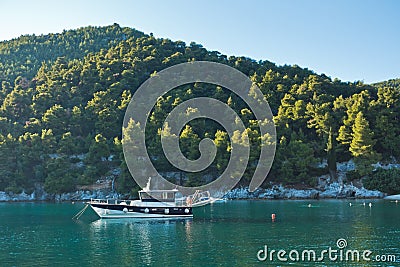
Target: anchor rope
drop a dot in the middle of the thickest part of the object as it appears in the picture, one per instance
(79, 214)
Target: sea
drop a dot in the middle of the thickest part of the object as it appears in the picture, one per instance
(230, 233)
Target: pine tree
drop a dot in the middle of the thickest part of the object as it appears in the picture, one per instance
(189, 142)
(361, 145)
(222, 143)
(362, 142)
(331, 155)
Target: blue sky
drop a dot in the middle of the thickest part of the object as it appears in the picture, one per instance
(346, 39)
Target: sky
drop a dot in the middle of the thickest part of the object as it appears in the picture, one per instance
(346, 39)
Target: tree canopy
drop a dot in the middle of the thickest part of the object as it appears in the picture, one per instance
(63, 98)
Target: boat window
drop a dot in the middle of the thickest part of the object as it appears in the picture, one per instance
(145, 197)
(155, 196)
(168, 195)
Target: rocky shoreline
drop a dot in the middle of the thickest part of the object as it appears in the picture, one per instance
(80, 195)
(330, 191)
(325, 189)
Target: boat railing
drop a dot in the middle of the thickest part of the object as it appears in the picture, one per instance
(197, 197)
(111, 201)
(181, 201)
(124, 202)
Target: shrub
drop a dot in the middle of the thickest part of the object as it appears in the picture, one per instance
(352, 175)
(387, 181)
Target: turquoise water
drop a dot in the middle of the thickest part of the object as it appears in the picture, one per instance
(222, 234)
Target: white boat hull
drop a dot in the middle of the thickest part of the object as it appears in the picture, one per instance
(137, 209)
(117, 214)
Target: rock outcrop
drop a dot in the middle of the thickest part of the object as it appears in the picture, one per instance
(333, 190)
(79, 195)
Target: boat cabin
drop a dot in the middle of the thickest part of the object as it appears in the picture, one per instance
(158, 195)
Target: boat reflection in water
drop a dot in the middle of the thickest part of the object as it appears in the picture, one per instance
(141, 240)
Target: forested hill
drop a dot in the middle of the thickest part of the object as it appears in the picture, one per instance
(393, 83)
(64, 95)
(26, 54)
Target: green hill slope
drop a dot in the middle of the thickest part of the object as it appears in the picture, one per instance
(64, 96)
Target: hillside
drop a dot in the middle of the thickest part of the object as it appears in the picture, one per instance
(64, 95)
(393, 83)
(25, 55)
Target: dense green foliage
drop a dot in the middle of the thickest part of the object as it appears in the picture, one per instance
(387, 181)
(25, 55)
(63, 98)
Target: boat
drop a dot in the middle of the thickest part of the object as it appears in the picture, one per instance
(152, 204)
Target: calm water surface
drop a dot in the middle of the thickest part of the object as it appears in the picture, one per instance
(222, 234)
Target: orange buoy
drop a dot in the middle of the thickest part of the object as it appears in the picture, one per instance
(273, 216)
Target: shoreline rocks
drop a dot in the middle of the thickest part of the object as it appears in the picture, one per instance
(79, 195)
(333, 190)
(329, 191)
